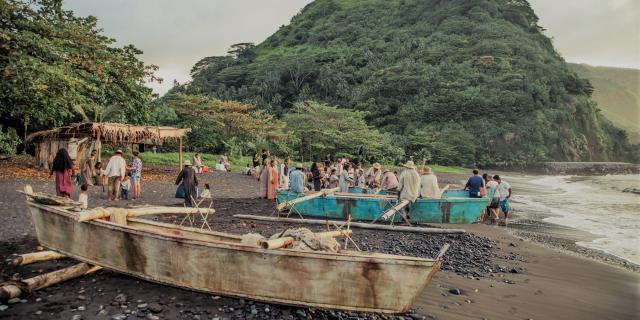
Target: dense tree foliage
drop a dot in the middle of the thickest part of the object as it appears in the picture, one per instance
(457, 81)
(317, 129)
(57, 68)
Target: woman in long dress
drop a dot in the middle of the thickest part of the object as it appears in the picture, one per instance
(273, 180)
(63, 168)
(263, 178)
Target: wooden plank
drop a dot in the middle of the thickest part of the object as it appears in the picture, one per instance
(29, 258)
(288, 204)
(353, 224)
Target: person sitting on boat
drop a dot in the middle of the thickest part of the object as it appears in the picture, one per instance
(475, 185)
(345, 179)
(389, 181)
(374, 176)
(429, 188)
(189, 183)
(409, 185)
(504, 189)
(296, 179)
(494, 205)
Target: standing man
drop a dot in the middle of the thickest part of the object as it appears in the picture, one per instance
(88, 171)
(115, 172)
(475, 185)
(409, 185)
(296, 179)
(504, 189)
(189, 183)
(345, 180)
(374, 176)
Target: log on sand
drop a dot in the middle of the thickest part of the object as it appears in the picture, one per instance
(285, 241)
(14, 290)
(288, 204)
(100, 213)
(352, 224)
(29, 258)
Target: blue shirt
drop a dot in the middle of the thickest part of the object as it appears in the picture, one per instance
(474, 184)
(296, 181)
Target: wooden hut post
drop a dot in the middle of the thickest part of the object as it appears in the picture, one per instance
(98, 147)
(180, 155)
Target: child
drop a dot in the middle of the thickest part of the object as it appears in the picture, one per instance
(100, 175)
(247, 170)
(361, 179)
(83, 197)
(206, 193)
(125, 185)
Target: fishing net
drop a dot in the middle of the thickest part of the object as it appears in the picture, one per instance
(306, 240)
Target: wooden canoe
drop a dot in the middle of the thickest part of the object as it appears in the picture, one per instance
(218, 263)
(455, 206)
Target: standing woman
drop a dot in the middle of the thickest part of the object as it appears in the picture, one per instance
(344, 181)
(63, 168)
(273, 180)
(197, 163)
(316, 177)
(263, 177)
(136, 174)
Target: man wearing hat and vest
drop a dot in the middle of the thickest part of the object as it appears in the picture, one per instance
(115, 171)
(409, 184)
(189, 183)
(296, 179)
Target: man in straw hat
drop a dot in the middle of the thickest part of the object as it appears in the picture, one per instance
(374, 176)
(189, 183)
(115, 172)
(429, 188)
(296, 179)
(409, 187)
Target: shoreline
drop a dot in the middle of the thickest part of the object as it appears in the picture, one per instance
(499, 273)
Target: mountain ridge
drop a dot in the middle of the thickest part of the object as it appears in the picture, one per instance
(479, 70)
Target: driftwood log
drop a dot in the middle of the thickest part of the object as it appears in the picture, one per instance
(14, 290)
(285, 241)
(396, 209)
(288, 204)
(352, 224)
(29, 258)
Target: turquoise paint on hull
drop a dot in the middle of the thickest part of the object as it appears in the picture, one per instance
(454, 207)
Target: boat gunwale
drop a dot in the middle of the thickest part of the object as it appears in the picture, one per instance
(358, 197)
(351, 256)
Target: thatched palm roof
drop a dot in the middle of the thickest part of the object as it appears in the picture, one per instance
(111, 132)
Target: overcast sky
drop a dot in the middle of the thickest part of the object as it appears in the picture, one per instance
(176, 34)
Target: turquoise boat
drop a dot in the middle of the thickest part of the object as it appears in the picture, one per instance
(455, 206)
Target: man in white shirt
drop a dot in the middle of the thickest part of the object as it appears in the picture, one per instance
(115, 171)
(504, 189)
(429, 188)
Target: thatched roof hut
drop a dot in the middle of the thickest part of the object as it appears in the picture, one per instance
(80, 138)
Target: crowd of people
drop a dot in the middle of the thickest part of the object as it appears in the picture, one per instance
(121, 178)
(499, 191)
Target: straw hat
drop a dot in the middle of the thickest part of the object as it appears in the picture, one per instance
(376, 166)
(187, 162)
(299, 166)
(427, 170)
(410, 165)
(119, 151)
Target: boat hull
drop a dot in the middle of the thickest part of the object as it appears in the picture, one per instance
(454, 207)
(193, 259)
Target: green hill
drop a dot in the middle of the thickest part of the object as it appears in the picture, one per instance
(617, 91)
(476, 76)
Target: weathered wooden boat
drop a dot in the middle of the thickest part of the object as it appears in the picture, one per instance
(455, 206)
(219, 263)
